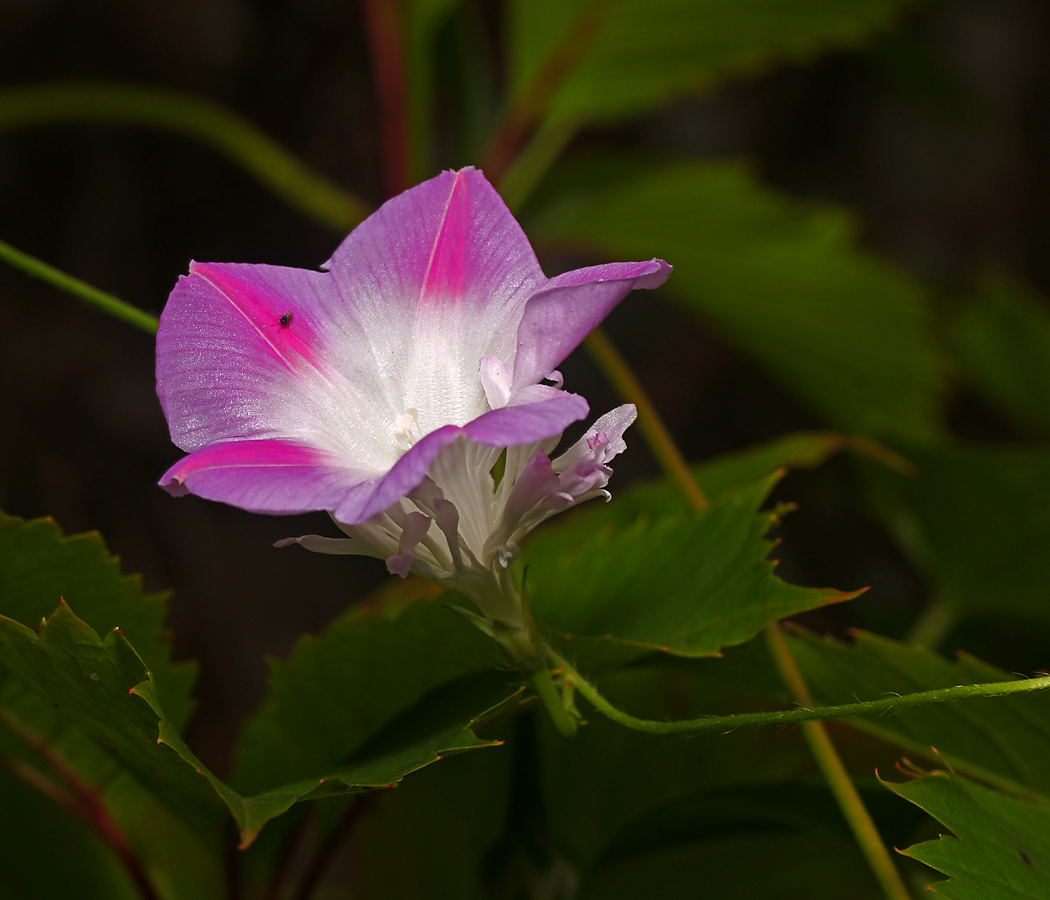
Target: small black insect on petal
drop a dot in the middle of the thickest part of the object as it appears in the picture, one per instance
(286, 320)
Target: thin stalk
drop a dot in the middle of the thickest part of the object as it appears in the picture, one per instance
(787, 716)
(82, 800)
(386, 44)
(532, 102)
(546, 690)
(834, 771)
(534, 160)
(816, 735)
(290, 848)
(224, 131)
(934, 625)
(99, 299)
(326, 851)
(232, 861)
(649, 422)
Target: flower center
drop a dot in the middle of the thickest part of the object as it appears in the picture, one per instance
(406, 429)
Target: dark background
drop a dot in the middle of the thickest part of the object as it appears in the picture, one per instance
(937, 136)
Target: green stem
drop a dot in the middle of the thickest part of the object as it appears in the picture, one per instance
(534, 160)
(788, 716)
(222, 130)
(551, 699)
(834, 771)
(934, 625)
(532, 102)
(652, 427)
(100, 299)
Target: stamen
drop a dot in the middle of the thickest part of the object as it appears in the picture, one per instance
(406, 428)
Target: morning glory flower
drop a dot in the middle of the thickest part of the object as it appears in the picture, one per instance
(410, 389)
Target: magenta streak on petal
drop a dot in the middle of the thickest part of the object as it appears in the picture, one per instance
(287, 342)
(446, 269)
(269, 476)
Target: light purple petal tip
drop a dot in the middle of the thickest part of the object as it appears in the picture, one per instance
(560, 315)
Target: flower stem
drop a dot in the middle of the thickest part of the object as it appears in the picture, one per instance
(787, 716)
(834, 771)
(933, 625)
(100, 299)
(388, 67)
(820, 745)
(655, 432)
(331, 843)
(221, 129)
(546, 690)
(533, 161)
(532, 102)
(80, 799)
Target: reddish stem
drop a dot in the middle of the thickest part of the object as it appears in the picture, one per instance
(385, 41)
(533, 101)
(327, 850)
(82, 800)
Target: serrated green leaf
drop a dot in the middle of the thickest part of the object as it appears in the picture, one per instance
(374, 696)
(661, 497)
(99, 686)
(92, 683)
(1000, 847)
(689, 584)
(1001, 339)
(630, 55)
(369, 668)
(39, 566)
(976, 519)
(782, 281)
(543, 810)
(1001, 740)
(68, 689)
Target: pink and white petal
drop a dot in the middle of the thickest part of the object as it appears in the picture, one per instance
(535, 393)
(529, 422)
(225, 363)
(252, 351)
(495, 381)
(268, 476)
(406, 475)
(448, 243)
(438, 278)
(400, 564)
(561, 314)
(449, 240)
